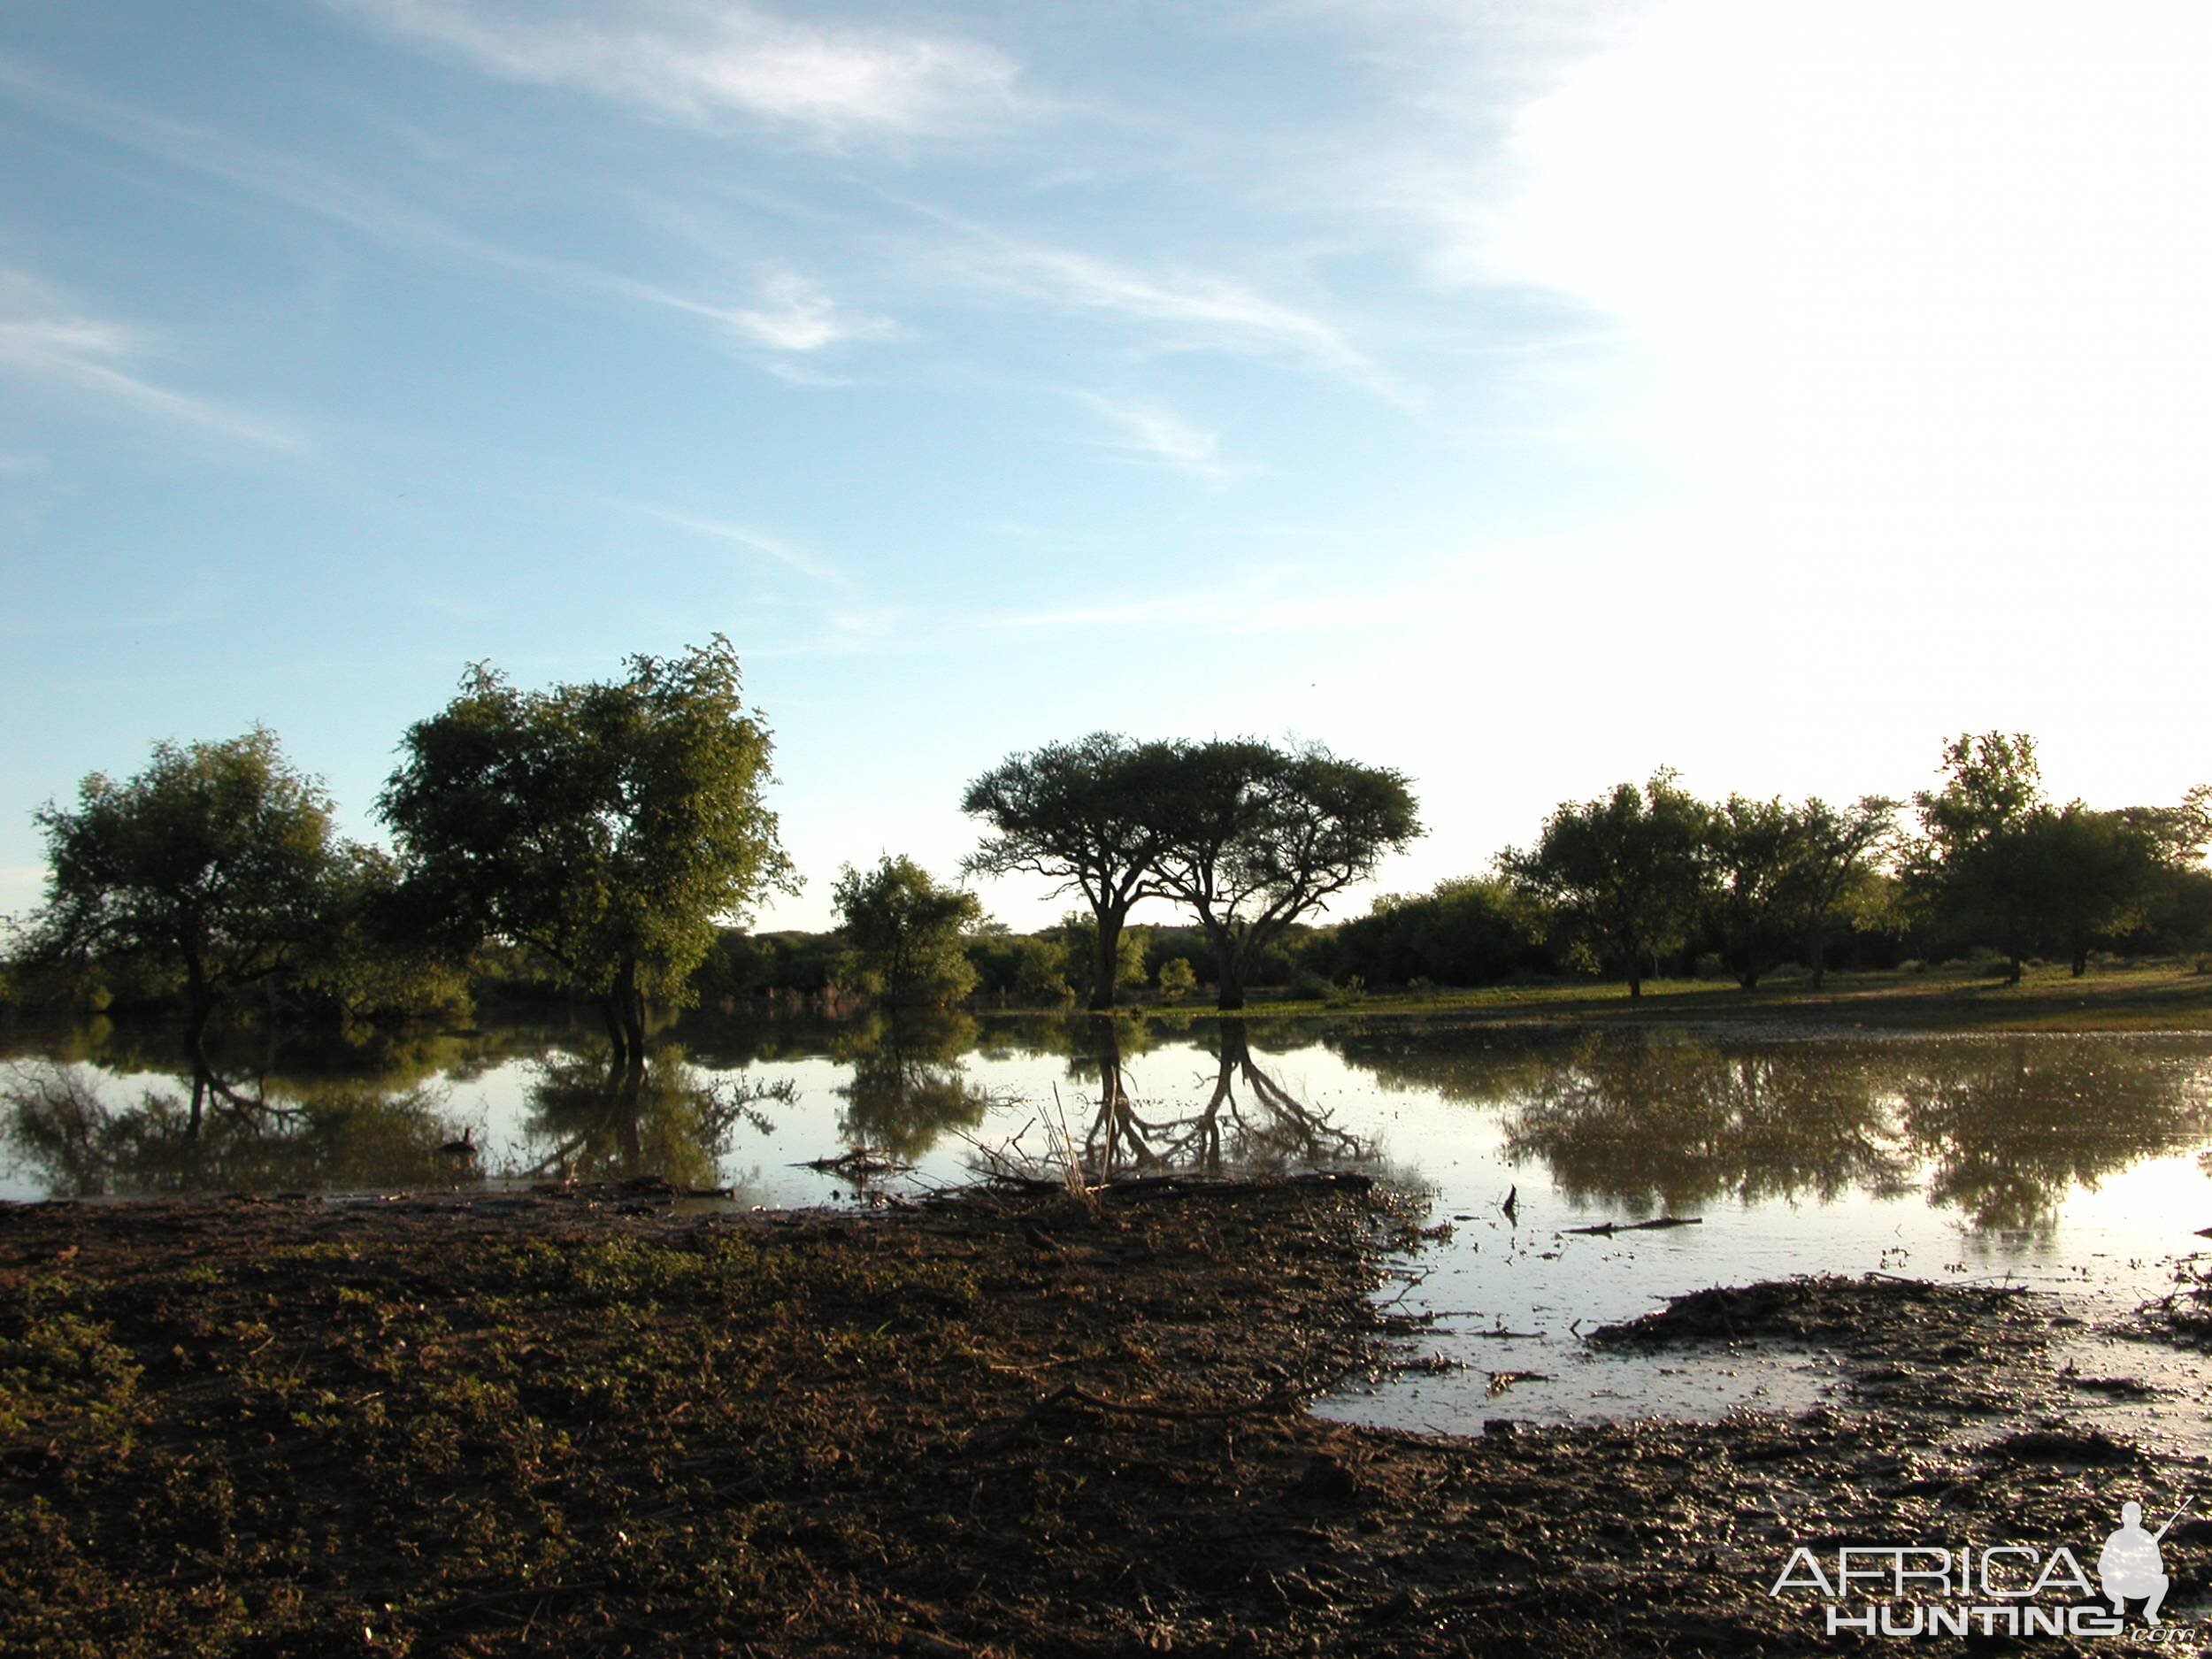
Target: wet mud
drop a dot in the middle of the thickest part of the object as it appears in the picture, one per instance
(602, 1422)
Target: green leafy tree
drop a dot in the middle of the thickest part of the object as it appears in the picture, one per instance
(1627, 872)
(907, 932)
(1754, 848)
(216, 865)
(2093, 874)
(1251, 838)
(1836, 876)
(1982, 859)
(1039, 970)
(1178, 978)
(1083, 815)
(1786, 876)
(1470, 930)
(608, 827)
(1077, 936)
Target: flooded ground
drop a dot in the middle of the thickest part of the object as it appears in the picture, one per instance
(2073, 1166)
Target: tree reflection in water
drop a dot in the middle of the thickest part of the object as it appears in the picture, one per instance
(1658, 1126)
(1251, 1121)
(332, 1138)
(591, 1119)
(908, 1088)
(2000, 1129)
(2009, 1126)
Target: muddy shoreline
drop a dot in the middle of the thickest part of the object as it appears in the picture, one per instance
(597, 1423)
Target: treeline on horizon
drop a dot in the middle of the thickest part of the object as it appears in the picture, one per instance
(594, 841)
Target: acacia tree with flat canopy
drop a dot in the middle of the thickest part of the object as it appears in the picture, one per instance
(1080, 814)
(1627, 870)
(608, 827)
(1252, 837)
(217, 864)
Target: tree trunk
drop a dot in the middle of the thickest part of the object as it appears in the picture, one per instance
(199, 1009)
(2081, 955)
(1817, 949)
(1228, 968)
(1232, 992)
(618, 1037)
(1635, 981)
(1107, 967)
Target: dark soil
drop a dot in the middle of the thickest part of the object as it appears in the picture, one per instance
(596, 1423)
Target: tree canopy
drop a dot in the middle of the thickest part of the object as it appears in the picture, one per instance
(1626, 871)
(1083, 815)
(216, 864)
(908, 932)
(608, 826)
(1253, 837)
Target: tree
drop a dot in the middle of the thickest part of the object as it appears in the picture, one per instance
(2091, 874)
(216, 864)
(608, 826)
(908, 932)
(1077, 936)
(1835, 875)
(1784, 876)
(1754, 848)
(1470, 930)
(1626, 871)
(1082, 815)
(1252, 838)
(1977, 864)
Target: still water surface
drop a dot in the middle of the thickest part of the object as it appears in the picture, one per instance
(2075, 1164)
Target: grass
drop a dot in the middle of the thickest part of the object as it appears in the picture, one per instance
(2162, 996)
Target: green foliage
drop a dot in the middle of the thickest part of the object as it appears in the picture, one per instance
(1176, 979)
(1077, 939)
(907, 931)
(1252, 837)
(608, 826)
(1086, 816)
(1625, 873)
(1468, 930)
(216, 864)
(1040, 969)
(1786, 877)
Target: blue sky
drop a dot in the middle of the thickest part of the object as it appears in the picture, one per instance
(1522, 395)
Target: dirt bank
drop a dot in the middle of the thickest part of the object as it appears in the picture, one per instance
(592, 1425)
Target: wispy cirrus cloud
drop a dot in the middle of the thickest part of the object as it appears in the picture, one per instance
(791, 312)
(1188, 309)
(1152, 435)
(783, 552)
(45, 335)
(795, 314)
(708, 64)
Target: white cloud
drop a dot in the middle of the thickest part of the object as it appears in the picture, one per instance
(742, 536)
(45, 336)
(1159, 437)
(796, 315)
(703, 62)
(1198, 310)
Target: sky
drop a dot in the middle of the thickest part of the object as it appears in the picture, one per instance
(1522, 395)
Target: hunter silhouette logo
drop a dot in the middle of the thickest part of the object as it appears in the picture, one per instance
(2130, 1565)
(1990, 1589)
